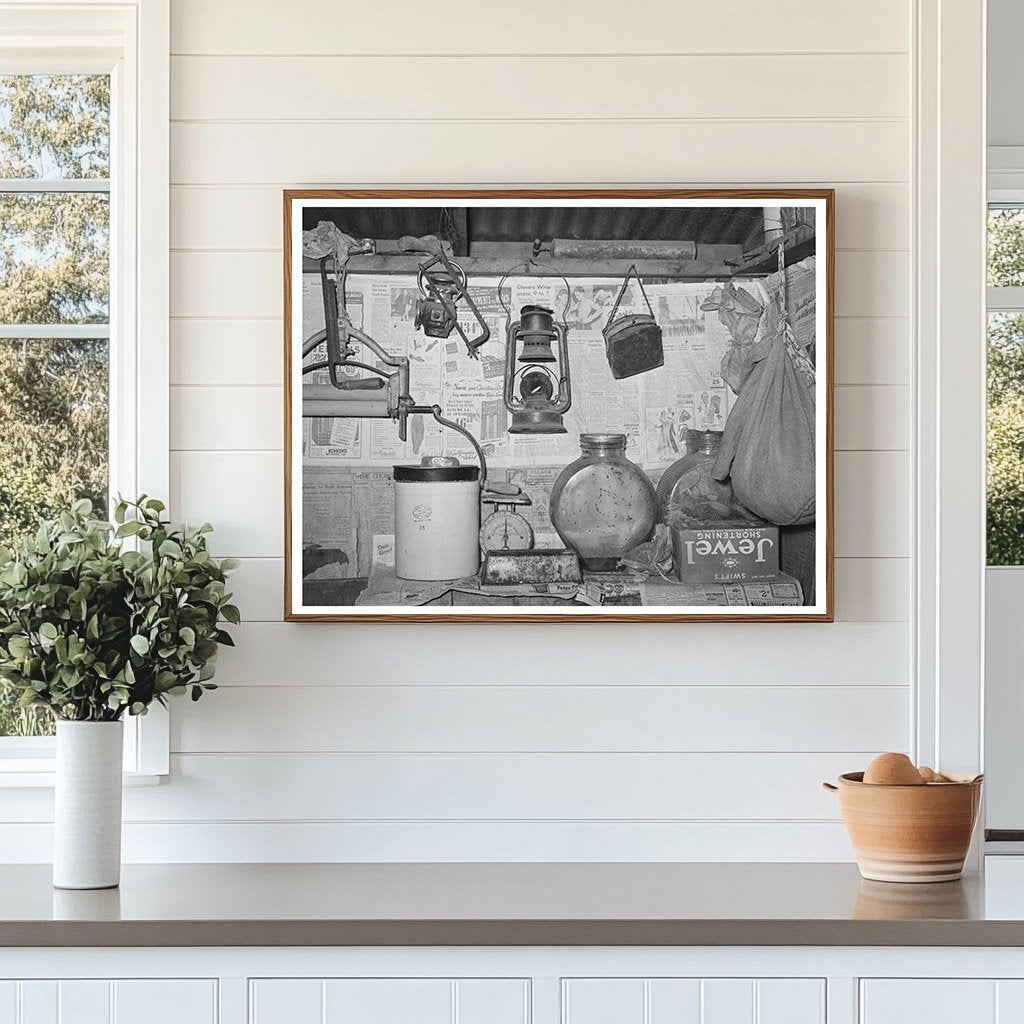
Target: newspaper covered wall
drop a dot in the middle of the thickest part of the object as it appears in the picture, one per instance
(347, 488)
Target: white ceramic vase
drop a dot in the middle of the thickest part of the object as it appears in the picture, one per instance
(87, 806)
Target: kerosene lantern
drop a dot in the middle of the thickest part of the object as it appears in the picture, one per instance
(537, 388)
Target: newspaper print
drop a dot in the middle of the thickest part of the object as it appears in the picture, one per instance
(348, 497)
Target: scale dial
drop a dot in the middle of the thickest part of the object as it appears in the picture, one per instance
(505, 530)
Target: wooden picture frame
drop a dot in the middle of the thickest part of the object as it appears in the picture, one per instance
(812, 248)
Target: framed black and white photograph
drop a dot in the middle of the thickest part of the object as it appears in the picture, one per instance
(558, 405)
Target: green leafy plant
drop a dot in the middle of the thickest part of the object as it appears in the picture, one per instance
(92, 629)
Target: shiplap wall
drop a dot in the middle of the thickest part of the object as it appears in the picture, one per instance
(609, 742)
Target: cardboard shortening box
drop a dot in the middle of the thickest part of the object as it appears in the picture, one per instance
(732, 551)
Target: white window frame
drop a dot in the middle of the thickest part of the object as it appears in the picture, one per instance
(1005, 807)
(949, 440)
(130, 41)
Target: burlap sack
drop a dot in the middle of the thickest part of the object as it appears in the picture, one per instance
(767, 450)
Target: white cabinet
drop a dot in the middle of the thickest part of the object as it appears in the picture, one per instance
(388, 1001)
(942, 1001)
(693, 1001)
(95, 1001)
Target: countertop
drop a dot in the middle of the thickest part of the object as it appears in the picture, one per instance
(559, 904)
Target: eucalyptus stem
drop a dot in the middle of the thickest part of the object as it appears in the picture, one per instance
(100, 619)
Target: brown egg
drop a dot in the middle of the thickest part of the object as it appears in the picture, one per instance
(893, 770)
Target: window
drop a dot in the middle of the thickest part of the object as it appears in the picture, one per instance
(1005, 499)
(84, 125)
(54, 308)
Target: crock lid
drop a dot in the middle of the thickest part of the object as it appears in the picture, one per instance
(436, 473)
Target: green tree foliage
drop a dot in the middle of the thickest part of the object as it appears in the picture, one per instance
(53, 269)
(1005, 484)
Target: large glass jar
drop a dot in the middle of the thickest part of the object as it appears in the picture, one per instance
(602, 505)
(687, 487)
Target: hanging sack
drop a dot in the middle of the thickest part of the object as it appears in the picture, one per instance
(768, 450)
(632, 342)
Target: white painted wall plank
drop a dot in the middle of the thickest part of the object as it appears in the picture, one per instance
(158, 842)
(465, 787)
(872, 418)
(9, 1002)
(543, 718)
(868, 215)
(795, 654)
(567, 151)
(221, 352)
(872, 504)
(241, 493)
(320, 26)
(234, 418)
(872, 589)
(872, 350)
(365, 88)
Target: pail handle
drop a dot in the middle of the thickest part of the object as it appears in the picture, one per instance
(830, 787)
(632, 272)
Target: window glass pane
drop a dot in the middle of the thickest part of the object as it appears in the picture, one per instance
(1006, 439)
(54, 126)
(53, 449)
(1005, 246)
(54, 265)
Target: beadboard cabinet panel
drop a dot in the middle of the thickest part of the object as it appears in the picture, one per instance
(389, 1001)
(693, 1001)
(930, 1001)
(99, 1001)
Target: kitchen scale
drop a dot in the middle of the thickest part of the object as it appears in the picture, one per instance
(505, 529)
(512, 564)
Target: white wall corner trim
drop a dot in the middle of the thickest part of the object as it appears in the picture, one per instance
(950, 325)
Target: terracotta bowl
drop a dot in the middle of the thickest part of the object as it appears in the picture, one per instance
(909, 833)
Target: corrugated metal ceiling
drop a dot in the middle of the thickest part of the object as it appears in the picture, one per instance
(709, 225)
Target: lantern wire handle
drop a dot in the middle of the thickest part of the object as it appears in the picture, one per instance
(533, 263)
